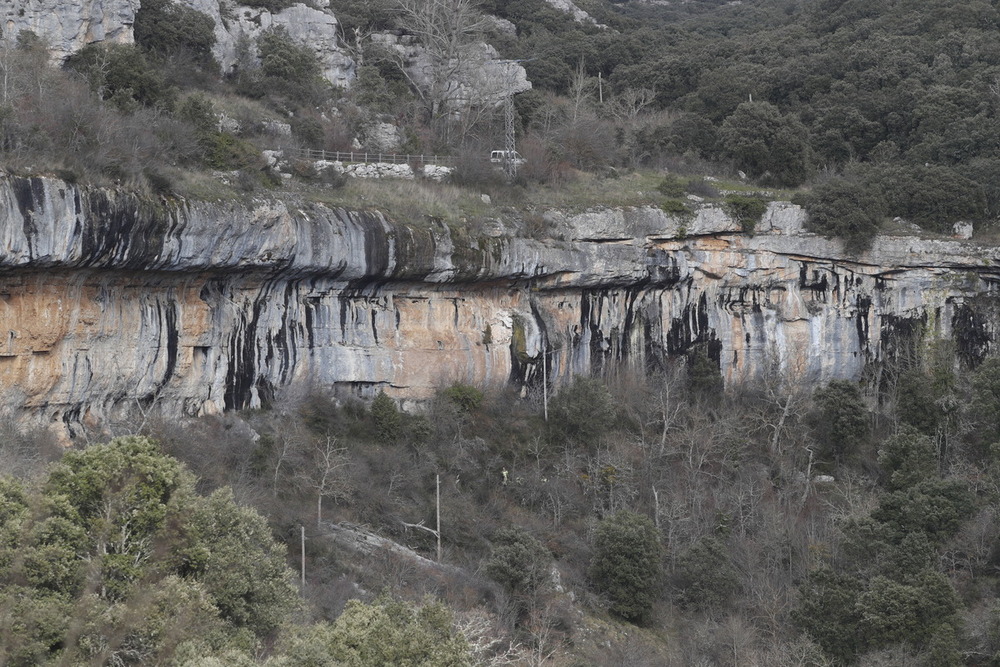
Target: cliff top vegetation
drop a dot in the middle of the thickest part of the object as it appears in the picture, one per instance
(874, 110)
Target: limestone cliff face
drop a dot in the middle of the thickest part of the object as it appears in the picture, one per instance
(109, 303)
(70, 26)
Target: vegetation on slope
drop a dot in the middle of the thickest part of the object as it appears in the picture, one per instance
(895, 104)
(853, 525)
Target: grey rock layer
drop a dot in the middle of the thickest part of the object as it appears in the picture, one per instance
(110, 303)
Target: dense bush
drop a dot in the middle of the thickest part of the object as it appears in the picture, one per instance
(746, 210)
(387, 419)
(848, 209)
(121, 74)
(289, 68)
(466, 397)
(522, 565)
(269, 5)
(933, 196)
(581, 412)
(174, 32)
(704, 577)
(626, 565)
(767, 145)
(671, 186)
(840, 420)
(907, 458)
(119, 560)
(386, 632)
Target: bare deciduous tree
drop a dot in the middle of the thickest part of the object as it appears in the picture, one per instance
(323, 476)
(450, 32)
(627, 106)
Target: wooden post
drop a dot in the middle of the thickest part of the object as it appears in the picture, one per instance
(656, 509)
(545, 385)
(435, 532)
(303, 528)
(438, 532)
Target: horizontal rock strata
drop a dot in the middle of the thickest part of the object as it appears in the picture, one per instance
(110, 303)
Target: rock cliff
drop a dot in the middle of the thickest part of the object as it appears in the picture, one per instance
(68, 27)
(110, 303)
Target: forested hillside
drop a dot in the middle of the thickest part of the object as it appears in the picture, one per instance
(648, 516)
(881, 109)
(647, 521)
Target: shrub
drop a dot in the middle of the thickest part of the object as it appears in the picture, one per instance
(848, 209)
(466, 397)
(121, 74)
(388, 421)
(840, 420)
(671, 186)
(581, 412)
(676, 208)
(746, 210)
(199, 111)
(705, 578)
(702, 188)
(626, 565)
(167, 30)
(519, 563)
(159, 183)
(228, 152)
(473, 169)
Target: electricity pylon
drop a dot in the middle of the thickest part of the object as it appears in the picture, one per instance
(510, 141)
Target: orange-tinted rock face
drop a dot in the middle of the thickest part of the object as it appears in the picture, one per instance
(110, 304)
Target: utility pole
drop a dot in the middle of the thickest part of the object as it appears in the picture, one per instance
(545, 385)
(510, 142)
(437, 502)
(432, 531)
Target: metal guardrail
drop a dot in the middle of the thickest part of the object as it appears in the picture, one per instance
(355, 156)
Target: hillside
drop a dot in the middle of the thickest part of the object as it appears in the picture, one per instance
(889, 104)
(711, 380)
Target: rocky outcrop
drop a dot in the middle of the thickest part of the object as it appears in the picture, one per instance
(312, 25)
(483, 79)
(109, 302)
(570, 8)
(70, 26)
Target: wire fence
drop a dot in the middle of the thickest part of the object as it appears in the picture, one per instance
(353, 156)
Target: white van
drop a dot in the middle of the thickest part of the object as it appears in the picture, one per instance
(503, 157)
